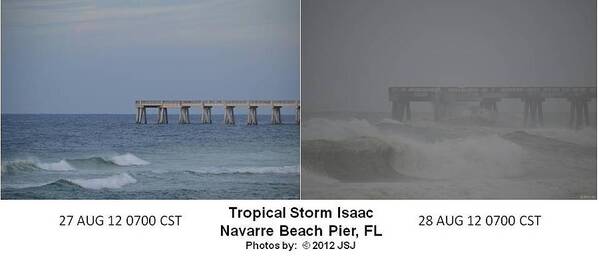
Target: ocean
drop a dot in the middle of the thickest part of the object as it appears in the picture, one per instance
(111, 157)
(465, 157)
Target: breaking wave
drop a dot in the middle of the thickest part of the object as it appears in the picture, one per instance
(128, 159)
(110, 182)
(62, 165)
(247, 170)
(31, 165)
(357, 150)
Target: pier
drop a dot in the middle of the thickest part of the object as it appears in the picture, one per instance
(488, 97)
(206, 106)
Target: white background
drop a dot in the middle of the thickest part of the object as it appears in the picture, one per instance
(30, 229)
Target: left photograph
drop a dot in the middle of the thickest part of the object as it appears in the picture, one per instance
(150, 99)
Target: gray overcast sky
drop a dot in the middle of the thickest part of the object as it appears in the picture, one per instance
(79, 56)
(353, 50)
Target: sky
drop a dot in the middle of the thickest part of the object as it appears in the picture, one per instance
(353, 50)
(80, 56)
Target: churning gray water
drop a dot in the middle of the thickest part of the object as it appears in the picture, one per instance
(385, 159)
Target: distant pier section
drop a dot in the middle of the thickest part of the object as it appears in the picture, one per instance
(532, 99)
(206, 108)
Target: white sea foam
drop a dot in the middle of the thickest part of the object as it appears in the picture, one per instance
(61, 165)
(390, 121)
(111, 182)
(128, 159)
(471, 157)
(464, 161)
(468, 157)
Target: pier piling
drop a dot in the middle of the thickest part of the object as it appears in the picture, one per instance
(276, 115)
(533, 111)
(585, 110)
(540, 112)
(141, 116)
(206, 114)
(298, 115)
(138, 116)
(572, 113)
(252, 115)
(579, 112)
(162, 115)
(489, 104)
(229, 115)
(401, 110)
(184, 115)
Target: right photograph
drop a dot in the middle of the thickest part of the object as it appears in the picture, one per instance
(460, 99)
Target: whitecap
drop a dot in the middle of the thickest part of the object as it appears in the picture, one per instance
(61, 165)
(111, 182)
(128, 159)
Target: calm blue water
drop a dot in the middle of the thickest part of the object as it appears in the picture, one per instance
(111, 157)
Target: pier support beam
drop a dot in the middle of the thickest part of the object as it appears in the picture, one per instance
(207, 114)
(276, 115)
(141, 115)
(440, 110)
(436, 111)
(229, 115)
(143, 118)
(533, 111)
(401, 110)
(253, 115)
(162, 115)
(298, 115)
(138, 116)
(579, 112)
(184, 115)
(585, 110)
(489, 104)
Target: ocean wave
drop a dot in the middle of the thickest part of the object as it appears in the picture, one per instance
(61, 165)
(72, 164)
(24, 185)
(246, 170)
(353, 159)
(552, 144)
(471, 157)
(32, 166)
(583, 137)
(357, 150)
(128, 159)
(97, 162)
(110, 182)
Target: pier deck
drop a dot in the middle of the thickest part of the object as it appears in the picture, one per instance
(532, 97)
(207, 105)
